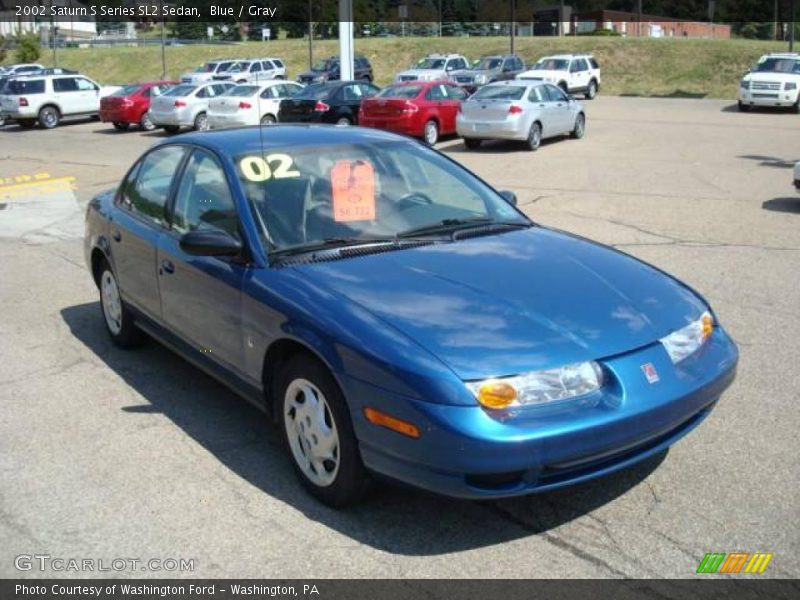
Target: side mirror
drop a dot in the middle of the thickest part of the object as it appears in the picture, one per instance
(210, 242)
(509, 197)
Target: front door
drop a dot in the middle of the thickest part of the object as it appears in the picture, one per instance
(201, 296)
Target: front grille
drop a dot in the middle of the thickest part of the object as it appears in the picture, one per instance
(765, 85)
(408, 78)
(464, 79)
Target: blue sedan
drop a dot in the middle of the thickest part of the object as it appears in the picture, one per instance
(397, 316)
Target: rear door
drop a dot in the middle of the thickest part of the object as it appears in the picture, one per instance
(138, 223)
(578, 75)
(201, 296)
(67, 95)
(88, 95)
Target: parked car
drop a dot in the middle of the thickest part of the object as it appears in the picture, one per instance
(254, 70)
(22, 68)
(434, 67)
(528, 111)
(327, 69)
(205, 73)
(797, 176)
(396, 315)
(48, 99)
(185, 105)
(419, 109)
(488, 70)
(573, 73)
(130, 105)
(250, 104)
(331, 102)
(773, 81)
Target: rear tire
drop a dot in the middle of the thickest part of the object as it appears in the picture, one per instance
(201, 122)
(534, 137)
(472, 143)
(318, 432)
(120, 126)
(591, 91)
(118, 319)
(580, 126)
(343, 122)
(268, 120)
(49, 117)
(430, 133)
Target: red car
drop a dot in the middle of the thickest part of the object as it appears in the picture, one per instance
(425, 109)
(129, 105)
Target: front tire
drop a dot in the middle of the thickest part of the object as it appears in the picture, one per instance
(534, 137)
(430, 133)
(117, 317)
(580, 126)
(318, 432)
(49, 117)
(146, 123)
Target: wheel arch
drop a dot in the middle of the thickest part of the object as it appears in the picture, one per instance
(50, 104)
(98, 257)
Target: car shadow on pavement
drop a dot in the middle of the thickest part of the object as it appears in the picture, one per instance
(500, 146)
(391, 518)
(784, 205)
(770, 161)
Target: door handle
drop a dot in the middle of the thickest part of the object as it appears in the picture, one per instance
(117, 236)
(167, 266)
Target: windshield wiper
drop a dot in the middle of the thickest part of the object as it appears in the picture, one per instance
(330, 243)
(453, 225)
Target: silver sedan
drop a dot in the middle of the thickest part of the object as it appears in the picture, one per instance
(186, 105)
(527, 111)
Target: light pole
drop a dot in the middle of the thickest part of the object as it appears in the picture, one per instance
(163, 44)
(310, 37)
(513, 19)
(791, 31)
(440, 18)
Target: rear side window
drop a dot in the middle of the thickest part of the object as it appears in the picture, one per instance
(18, 88)
(436, 93)
(127, 90)
(594, 64)
(65, 84)
(499, 92)
(180, 91)
(278, 63)
(147, 189)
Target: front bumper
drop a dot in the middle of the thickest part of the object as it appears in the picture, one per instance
(465, 452)
(509, 129)
(768, 97)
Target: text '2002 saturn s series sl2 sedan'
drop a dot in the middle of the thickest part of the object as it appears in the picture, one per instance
(398, 316)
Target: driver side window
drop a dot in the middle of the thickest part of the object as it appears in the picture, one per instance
(204, 199)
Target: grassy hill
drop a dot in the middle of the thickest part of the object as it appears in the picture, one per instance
(646, 67)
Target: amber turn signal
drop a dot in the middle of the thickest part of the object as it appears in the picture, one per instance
(708, 325)
(376, 417)
(496, 394)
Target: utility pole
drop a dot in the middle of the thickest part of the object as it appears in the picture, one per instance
(163, 44)
(791, 31)
(513, 20)
(639, 18)
(310, 37)
(440, 17)
(561, 18)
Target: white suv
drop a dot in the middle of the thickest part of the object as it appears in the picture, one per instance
(773, 81)
(49, 98)
(434, 67)
(208, 71)
(254, 70)
(573, 73)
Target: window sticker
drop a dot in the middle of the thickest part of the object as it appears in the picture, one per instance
(353, 188)
(275, 166)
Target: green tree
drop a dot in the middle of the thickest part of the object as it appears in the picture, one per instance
(28, 49)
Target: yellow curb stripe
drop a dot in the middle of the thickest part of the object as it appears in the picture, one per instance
(35, 184)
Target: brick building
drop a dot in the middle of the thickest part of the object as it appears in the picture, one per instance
(628, 24)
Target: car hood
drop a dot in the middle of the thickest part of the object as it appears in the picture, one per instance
(544, 74)
(514, 302)
(772, 76)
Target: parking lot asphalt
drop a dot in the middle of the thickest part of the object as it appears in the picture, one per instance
(110, 454)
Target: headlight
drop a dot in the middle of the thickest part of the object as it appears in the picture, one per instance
(481, 79)
(686, 341)
(745, 85)
(538, 387)
(789, 86)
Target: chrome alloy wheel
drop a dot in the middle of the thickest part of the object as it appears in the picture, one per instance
(112, 304)
(311, 431)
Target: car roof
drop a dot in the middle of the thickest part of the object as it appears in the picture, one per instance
(567, 56)
(240, 140)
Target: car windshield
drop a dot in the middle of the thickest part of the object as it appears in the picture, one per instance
(400, 91)
(499, 92)
(126, 90)
(551, 64)
(431, 63)
(180, 90)
(359, 193)
(242, 91)
(324, 65)
(317, 91)
(486, 64)
(778, 65)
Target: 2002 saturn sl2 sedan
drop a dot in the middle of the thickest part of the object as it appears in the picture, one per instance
(398, 316)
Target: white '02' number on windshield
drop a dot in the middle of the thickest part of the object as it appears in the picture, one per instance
(275, 166)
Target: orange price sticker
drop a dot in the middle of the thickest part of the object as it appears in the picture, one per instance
(353, 187)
